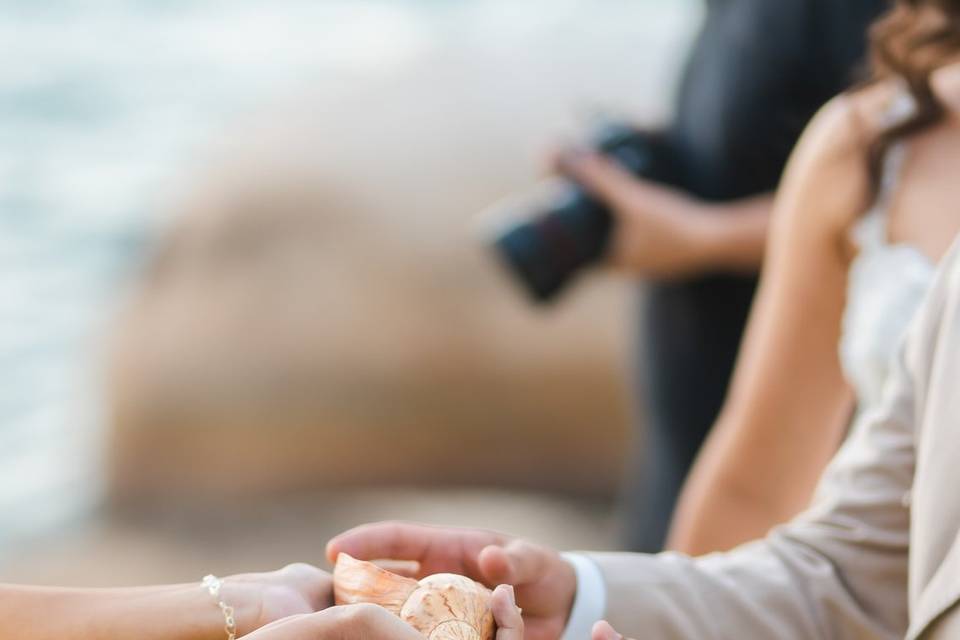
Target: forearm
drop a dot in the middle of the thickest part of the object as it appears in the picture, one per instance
(759, 468)
(718, 514)
(178, 612)
(734, 234)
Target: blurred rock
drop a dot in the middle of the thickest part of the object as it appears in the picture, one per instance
(320, 314)
(177, 544)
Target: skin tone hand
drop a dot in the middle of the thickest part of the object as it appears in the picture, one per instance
(663, 232)
(295, 589)
(371, 622)
(171, 612)
(545, 583)
(603, 631)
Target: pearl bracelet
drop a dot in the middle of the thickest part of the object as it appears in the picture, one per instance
(213, 584)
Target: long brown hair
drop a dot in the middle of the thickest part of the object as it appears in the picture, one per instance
(909, 43)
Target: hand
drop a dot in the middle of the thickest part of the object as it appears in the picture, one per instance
(659, 231)
(371, 622)
(603, 631)
(356, 621)
(262, 598)
(545, 583)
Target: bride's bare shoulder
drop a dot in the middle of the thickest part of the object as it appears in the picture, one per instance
(829, 172)
(848, 124)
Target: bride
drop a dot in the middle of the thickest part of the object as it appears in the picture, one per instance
(868, 207)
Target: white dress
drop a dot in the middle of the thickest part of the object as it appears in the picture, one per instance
(886, 284)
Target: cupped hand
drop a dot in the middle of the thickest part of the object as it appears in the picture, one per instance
(260, 599)
(355, 621)
(371, 622)
(545, 583)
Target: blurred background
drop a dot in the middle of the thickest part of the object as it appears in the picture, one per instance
(245, 305)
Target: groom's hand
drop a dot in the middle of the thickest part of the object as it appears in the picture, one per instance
(545, 583)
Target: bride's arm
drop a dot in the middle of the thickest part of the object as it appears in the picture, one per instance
(788, 404)
(174, 612)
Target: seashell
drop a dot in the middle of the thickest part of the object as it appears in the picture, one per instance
(356, 581)
(450, 607)
(444, 606)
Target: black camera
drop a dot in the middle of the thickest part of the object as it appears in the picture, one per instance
(546, 237)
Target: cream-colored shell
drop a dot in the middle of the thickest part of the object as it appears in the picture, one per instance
(441, 607)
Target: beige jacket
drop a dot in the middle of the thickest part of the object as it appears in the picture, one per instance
(878, 553)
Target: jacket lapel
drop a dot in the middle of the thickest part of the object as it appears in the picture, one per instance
(941, 593)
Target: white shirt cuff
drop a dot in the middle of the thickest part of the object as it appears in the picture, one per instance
(590, 602)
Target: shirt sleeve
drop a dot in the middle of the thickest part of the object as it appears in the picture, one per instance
(589, 604)
(838, 572)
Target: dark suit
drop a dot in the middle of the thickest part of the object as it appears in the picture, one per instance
(758, 72)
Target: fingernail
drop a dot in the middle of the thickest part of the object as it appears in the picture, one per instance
(511, 596)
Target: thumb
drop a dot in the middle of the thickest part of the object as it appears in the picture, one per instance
(507, 614)
(518, 563)
(603, 631)
(598, 174)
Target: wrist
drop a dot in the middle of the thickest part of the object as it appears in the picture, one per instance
(247, 601)
(703, 231)
(729, 236)
(176, 612)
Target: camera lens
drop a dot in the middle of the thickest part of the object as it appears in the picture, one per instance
(550, 239)
(545, 251)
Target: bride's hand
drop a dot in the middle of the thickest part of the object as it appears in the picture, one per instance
(366, 621)
(371, 622)
(260, 599)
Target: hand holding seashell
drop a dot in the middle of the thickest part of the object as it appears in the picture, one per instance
(373, 622)
(368, 622)
(545, 583)
(441, 607)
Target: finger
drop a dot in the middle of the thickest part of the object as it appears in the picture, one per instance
(507, 614)
(601, 176)
(406, 568)
(437, 549)
(393, 540)
(553, 157)
(352, 622)
(603, 631)
(517, 563)
(291, 628)
(367, 622)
